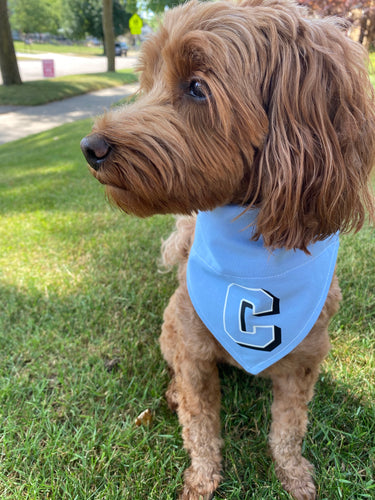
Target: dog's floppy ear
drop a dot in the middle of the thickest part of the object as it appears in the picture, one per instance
(314, 168)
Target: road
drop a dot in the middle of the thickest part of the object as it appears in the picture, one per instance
(32, 67)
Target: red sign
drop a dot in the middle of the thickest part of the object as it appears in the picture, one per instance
(48, 68)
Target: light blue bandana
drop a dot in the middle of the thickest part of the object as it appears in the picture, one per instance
(258, 304)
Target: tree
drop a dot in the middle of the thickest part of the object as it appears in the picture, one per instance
(84, 17)
(367, 23)
(360, 13)
(36, 16)
(341, 8)
(109, 34)
(159, 6)
(8, 60)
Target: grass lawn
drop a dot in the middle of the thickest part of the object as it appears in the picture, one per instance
(78, 50)
(81, 304)
(54, 89)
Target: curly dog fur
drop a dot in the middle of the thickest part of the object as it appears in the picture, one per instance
(258, 105)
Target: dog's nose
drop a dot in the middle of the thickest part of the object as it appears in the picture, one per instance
(95, 149)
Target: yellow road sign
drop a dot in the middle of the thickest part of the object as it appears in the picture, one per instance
(135, 24)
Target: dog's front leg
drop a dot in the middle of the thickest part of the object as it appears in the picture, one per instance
(292, 390)
(198, 390)
(293, 379)
(194, 393)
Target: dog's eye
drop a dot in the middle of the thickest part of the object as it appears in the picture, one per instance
(199, 90)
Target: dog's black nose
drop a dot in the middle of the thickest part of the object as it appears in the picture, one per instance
(95, 149)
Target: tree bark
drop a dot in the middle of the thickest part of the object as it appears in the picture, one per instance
(8, 60)
(363, 29)
(109, 34)
(370, 41)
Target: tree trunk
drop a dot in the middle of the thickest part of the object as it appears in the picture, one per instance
(363, 28)
(8, 60)
(109, 34)
(370, 42)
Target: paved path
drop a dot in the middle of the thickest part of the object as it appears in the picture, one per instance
(17, 122)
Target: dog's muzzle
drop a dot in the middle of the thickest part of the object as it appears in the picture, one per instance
(95, 149)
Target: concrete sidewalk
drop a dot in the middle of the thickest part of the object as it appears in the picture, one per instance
(18, 122)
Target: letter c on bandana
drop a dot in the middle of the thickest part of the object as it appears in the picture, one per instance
(242, 310)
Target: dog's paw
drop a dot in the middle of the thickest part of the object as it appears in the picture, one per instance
(299, 491)
(199, 485)
(191, 495)
(299, 482)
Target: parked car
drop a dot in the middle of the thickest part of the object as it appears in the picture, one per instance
(121, 49)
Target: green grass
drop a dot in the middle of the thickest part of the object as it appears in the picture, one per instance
(78, 50)
(81, 303)
(43, 91)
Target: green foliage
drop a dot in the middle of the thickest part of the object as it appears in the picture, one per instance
(84, 17)
(132, 6)
(159, 6)
(36, 16)
(78, 18)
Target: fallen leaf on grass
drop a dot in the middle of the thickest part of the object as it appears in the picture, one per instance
(144, 418)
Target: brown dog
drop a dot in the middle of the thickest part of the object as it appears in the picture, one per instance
(263, 120)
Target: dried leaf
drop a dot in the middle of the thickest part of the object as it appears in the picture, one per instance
(144, 418)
